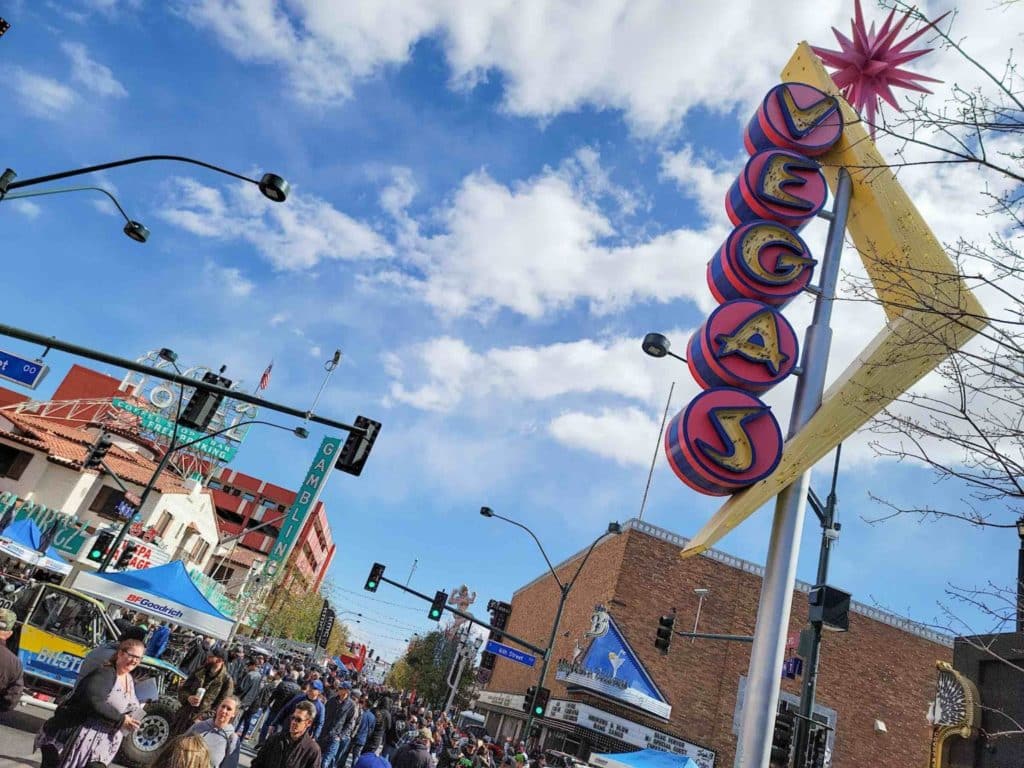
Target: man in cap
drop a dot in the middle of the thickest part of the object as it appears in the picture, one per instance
(313, 694)
(203, 691)
(12, 679)
(415, 754)
(339, 713)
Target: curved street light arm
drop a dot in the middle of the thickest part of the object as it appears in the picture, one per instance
(71, 189)
(584, 561)
(539, 546)
(118, 163)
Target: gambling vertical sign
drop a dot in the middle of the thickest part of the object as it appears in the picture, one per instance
(727, 438)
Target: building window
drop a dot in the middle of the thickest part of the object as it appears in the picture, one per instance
(13, 462)
(106, 501)
(222, 573)
(248, 497)
(200, 549)
(214, 484)
(163, 523)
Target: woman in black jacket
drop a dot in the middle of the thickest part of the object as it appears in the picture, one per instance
(90, 725)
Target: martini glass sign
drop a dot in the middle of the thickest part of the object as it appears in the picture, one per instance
(727, 438)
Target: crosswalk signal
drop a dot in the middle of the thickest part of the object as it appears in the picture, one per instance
(437, 607)
(528, 699)
(540, 704)
(373, 580)
(126, 555)
(100, 547)
(816, 748)
(666, 626)
(356, 450)
(782, 738)
(98, 451)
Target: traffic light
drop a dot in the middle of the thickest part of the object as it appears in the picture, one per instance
(373, 580)
(100, 547)
(782, 738)
(528, 699)
(437, 607)
(666, 626)
(829, 607)
(816, 748)
(203, 405)
(126, 555)
(356, 450)
(97, 451)
(540, 705)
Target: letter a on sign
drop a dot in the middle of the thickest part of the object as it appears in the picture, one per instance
(929, 309)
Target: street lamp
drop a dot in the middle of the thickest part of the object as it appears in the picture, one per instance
(1020, 575)
(658, 345)
(564, 589)
(132, 228)
(300, 432)
(271, 185)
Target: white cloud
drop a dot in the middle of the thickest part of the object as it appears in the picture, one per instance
(91, 74)
(541, 245)
(654, 60)
(26, 208)
(228, 280)
(41, 96)
(627, 436)
(296, 235)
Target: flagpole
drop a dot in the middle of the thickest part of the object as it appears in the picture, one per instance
(329, 366)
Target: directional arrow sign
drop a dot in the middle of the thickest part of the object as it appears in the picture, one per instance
(28, 373)
(512, 654)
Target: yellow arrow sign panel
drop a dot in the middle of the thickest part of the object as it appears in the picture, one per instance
(929, 309)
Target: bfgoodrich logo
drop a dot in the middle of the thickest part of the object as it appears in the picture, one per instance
(145, 602)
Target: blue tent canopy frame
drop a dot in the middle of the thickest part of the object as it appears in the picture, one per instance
(649, 758)
(26, 533)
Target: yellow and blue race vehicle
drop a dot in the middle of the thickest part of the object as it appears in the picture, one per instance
(56, 628)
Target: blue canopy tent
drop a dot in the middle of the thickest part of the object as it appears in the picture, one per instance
(643, 758)
(164, 591)
(21, 539)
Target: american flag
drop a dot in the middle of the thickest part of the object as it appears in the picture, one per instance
(265, 378)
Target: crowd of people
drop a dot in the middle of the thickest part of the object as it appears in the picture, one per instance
(286, 712)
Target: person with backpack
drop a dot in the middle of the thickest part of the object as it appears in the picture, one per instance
(396, 730)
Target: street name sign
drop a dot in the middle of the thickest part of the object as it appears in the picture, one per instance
(28, 373)
(512, 654)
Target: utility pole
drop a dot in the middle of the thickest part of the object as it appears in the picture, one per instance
(829, 533)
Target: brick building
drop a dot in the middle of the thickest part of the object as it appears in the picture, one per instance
(244, 502)
(613, 691)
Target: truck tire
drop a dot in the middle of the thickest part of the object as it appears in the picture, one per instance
(140, 748)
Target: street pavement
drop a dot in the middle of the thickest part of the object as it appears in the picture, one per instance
(18, 730)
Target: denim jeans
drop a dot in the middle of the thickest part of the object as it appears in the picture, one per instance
(331, 750)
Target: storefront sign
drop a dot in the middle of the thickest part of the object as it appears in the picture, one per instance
(155, 422)
(71, 533)
(504, 700)
(728, 439)
(611, 668)
(641, 736)
(305, 500)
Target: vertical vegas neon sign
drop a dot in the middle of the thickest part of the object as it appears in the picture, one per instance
(727, 438)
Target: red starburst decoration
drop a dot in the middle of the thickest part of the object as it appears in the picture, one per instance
(869, 66)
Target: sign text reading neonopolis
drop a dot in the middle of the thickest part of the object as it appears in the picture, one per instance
(727, 438)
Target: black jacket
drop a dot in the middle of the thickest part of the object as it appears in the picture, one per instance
(247, 688)
(284, 693)
(12, 680)
(89, 700)
(338, 716)
(380, 728)
(413, 755)
(279, 751)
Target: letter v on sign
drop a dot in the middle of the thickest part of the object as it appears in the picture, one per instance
(929, 309)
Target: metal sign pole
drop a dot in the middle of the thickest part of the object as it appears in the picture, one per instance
(766, 654)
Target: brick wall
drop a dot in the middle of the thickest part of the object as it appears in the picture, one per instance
(874, 671)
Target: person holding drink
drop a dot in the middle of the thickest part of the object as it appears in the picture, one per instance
(202, 693)
(89, 726)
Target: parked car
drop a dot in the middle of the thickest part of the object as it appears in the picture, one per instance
(56, 628)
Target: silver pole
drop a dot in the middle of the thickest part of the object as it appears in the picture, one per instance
(763, 677)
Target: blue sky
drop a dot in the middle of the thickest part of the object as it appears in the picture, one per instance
(492, 203)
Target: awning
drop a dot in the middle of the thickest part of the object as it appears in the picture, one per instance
(164, 591)
(642, 758)
(21, 539)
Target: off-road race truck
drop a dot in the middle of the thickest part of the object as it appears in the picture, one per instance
(56, 628)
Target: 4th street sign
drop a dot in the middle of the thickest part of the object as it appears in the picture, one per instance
(28, 373)
(512, 654)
